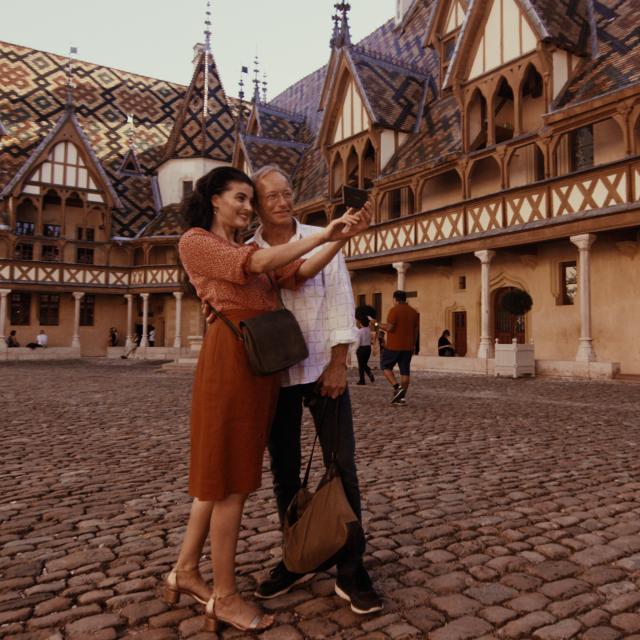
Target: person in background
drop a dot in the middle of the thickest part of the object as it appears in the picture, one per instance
(41, 341)
(363, 351)
(445, 348)
(152, 337)
(12, 340)
(401, 328)
(113, 337)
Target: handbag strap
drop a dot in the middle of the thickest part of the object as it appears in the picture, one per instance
(230, 324)
(305, 482)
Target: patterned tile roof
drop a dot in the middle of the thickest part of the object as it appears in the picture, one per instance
(303, 98)
(396, 94)
(263, 151)
(439, 141)
(32, 101)
(618, 63)
(168, 223)
(311, 180)
(566, 22)
(281, 125)
(198, 135)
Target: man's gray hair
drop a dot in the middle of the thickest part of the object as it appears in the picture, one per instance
(268, 169)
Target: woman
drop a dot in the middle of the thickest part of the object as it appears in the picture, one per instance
(363, 352)
(232, 408)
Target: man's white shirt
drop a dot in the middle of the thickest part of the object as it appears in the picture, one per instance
(324, 308)
(42, 339)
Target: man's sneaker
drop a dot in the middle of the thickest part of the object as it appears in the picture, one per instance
(279, 582)
(398, 395)
(358, 590)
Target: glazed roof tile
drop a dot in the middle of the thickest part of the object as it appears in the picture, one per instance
(262, 151)
(195, 135)
(618, 63)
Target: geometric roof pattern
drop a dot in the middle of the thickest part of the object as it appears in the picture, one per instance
(200, 132)
(261, 151)
(618, 63)
(396, 94)
(32, 102)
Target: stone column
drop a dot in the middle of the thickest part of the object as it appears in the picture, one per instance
(486, 349)
(3, 316)
(401, 268)
(75, 340)
(586, 352)
(144, 342)
(128, 343)
(177, 342)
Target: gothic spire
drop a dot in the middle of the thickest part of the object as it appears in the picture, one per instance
(256, 80)
(343, 38)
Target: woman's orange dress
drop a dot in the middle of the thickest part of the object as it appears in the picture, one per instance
(231, 407)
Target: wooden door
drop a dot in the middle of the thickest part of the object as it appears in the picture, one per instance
(506, 326)
(460, 332)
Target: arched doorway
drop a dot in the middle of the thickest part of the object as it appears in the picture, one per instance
(506, 326)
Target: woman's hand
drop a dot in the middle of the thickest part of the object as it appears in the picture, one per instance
(349, 224)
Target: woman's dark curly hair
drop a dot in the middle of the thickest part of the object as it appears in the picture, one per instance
(197, 210)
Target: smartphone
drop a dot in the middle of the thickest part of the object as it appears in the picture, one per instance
(353, 197)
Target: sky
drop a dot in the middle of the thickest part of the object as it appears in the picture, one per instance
(156, 37)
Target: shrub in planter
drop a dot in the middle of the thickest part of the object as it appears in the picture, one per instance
(516, 302)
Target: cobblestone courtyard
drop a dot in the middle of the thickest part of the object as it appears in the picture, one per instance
(494, 509)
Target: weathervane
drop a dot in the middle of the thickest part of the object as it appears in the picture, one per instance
(344, 37)
(243, 70)
(256, 79)
(69, 73)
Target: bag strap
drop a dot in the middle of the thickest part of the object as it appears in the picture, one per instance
(305, 482)
(228, 322)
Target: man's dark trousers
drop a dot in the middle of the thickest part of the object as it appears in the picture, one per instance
(285, 451)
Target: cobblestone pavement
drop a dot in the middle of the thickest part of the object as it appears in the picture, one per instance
(494, 509)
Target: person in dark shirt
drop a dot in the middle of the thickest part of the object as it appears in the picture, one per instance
(445, 348)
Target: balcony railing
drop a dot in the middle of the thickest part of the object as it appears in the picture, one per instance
(550, 200)
(17, 272)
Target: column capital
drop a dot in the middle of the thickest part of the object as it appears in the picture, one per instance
(401, 267)
(4, 292)
(583, 241)
(78, 295)
(128, 296)
(485, 256)
(144, 296)
(177, 294)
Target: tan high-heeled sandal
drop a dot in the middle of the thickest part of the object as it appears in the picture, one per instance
(212, 621)
(173, 588)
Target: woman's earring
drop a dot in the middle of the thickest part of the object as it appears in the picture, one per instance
(215, 210)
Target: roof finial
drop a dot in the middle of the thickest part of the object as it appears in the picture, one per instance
(207, 53)
(336, 30)
(243, 70)
(207, 28)
(264, 87)
(69, 72)
(256, 80)
(344, 37)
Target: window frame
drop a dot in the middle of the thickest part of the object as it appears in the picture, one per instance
(565, 299)
(20, 302)
(49, 309)
(88, 310)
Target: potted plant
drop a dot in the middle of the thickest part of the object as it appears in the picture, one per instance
(515, 360)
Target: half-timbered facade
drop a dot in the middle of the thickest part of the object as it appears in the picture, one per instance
(500, 141)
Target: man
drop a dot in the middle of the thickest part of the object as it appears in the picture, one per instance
(401, 327)
(41, 341)
(325, 311)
